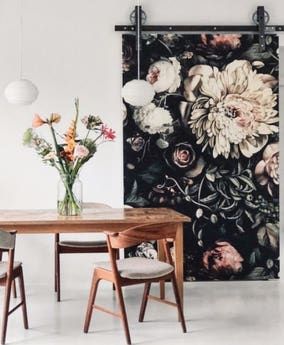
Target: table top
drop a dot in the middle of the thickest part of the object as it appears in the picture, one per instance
(92, 216)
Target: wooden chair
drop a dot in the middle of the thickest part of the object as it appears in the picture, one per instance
(135, 270)
(9, 271)
(73, 247)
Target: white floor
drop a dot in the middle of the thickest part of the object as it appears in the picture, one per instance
(231, 313)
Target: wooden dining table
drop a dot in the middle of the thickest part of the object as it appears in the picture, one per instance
(99, 220)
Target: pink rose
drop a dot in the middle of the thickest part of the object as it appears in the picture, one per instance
(223, 41)
(80, 151)
(222, 260)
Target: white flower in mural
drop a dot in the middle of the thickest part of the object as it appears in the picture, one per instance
(152, 119)
(233, 110)
(165, 75)
(267, 170)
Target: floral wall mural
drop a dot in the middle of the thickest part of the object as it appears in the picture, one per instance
(207, 146)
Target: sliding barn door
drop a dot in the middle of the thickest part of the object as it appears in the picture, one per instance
(207, 146)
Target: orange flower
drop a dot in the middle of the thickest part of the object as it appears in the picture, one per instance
(54, 118)
(38, 121)
(71, 145)
(69, 149)
(70, 134)
(70, 141)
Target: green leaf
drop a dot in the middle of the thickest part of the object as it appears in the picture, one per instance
(249, 215)
(209, 198)
(254, 53)
(229, 207)
(268, 236)
(134, 199)
(152, 174)
(210, 177)
(235, 182)
(200, 233)
(248, 181)
(224, 172)
(193, 189)
(27, 137)
(211, 170)
(257, 273)
(252, 259)
(251, 205)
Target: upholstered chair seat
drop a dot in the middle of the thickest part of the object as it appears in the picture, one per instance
(138, 268)
(83, 244)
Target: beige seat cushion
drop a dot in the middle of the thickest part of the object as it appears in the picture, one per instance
(4, 268)
(139, 268)
(83, 244)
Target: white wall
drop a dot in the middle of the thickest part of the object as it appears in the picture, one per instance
(71, 49)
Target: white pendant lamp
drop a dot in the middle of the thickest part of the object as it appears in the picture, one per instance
(138, 92)
(21, 91)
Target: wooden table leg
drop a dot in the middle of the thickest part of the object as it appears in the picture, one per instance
(178, 250)
(161, 257)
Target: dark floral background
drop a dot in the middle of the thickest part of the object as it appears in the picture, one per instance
(207, 146)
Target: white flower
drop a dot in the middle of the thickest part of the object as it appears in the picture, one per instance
(152, 119)
(80, 151)
(50, 156)
(233, 110)
(267, 170)
(165, 75)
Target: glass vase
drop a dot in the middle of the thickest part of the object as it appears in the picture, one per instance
(69, 196)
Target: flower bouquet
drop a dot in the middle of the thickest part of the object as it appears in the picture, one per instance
(68, 153)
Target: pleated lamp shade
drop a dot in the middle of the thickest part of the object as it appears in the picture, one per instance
(21, 92)
(138, 92)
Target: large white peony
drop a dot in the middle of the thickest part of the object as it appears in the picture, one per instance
(152, 119)
(233, 110)
(164, 75)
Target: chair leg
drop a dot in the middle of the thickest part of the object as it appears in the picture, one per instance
(123, 312)
(91, 301)
(117, 258)
(144, 301)
(14, 288)
(57, 274)
(6, 310)
(178, 302)
(23, 299)
(55, 268)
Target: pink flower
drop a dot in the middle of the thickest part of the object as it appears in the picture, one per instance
(108, 133)
(225, 41)
(222, 260)
(38, 121)
(80, 151)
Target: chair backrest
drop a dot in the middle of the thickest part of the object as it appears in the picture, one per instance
(141, 233)
(95, 205)
(7, 244)
(7, 240)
